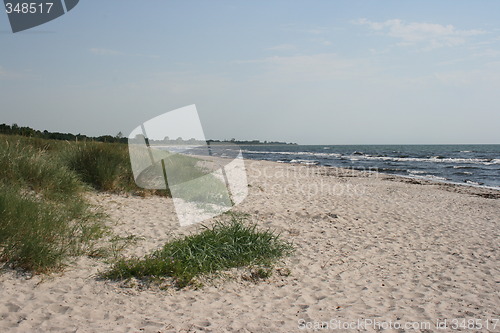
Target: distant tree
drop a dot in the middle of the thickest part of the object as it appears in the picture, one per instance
(106, 138)
(4, 128)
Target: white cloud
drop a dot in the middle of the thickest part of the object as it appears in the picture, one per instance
(430, 35)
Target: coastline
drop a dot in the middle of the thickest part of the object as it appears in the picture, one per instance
(473, 189)
(458, 164)
(369, 246)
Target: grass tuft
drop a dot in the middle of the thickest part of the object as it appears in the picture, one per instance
(104, 166)
(98, 164)
(223, 246)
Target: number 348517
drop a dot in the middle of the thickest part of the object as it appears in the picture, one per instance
(29, 7)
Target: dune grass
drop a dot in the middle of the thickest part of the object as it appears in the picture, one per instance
(37, 170)
(104, 166)
(225, 245)
(38, 235)
(44, 218)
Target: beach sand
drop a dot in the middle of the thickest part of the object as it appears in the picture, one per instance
(369, 247)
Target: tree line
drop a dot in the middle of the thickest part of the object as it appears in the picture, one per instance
(14, 129)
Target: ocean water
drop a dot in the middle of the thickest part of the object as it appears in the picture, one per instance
(476, 165)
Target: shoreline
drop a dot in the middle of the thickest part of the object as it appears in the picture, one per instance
(368, 246)
(418, 180)
(464, 165)
(447, 182)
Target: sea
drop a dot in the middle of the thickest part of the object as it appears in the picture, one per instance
(473, 165)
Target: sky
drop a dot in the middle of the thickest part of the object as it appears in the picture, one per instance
(310, 72)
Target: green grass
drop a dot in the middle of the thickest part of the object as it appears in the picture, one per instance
(44, 218)
(225, 245)
(37, 170)
(100, 165)
(38, 236)
(104, 166)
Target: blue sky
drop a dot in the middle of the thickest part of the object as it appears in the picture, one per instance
(312, 72)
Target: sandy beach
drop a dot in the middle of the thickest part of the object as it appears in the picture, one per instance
(401, 254)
